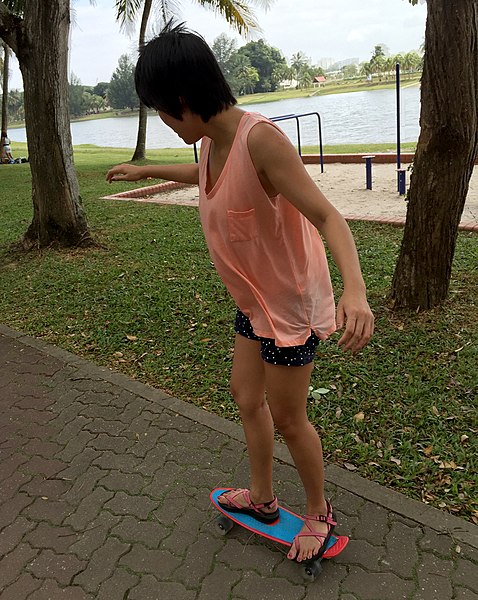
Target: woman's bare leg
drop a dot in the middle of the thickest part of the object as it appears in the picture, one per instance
(287, 392)
(248, 391)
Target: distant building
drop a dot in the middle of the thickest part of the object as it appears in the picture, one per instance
(326, 63)
(319, 81)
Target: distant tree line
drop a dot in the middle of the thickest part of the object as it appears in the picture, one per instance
(253, 68)
(257, 67)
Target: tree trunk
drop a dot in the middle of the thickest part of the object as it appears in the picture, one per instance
(6, 67)
(445, 156)
(140, 150)
(41, 43)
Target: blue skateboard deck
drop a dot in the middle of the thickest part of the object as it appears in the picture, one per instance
(283, 531)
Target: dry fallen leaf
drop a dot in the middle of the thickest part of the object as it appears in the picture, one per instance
(397, 461)
(359, 417)
(350, 467)
(131, 338)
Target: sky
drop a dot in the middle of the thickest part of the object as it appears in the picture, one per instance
(338, 29)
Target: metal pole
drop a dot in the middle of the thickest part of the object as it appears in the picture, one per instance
(368, 170)
(397, 85)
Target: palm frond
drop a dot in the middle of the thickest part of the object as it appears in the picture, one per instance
(237, 13)
(127, 11)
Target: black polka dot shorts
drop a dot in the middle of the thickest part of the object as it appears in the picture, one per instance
(290, 356)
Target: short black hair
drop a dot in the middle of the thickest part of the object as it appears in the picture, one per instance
(178, 67)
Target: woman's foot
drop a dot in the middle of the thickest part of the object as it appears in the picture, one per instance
(240, 501)
(313, 538)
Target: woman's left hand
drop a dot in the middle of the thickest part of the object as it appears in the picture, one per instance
(354, 313)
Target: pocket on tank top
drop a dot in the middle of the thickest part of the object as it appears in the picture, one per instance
(242, 225)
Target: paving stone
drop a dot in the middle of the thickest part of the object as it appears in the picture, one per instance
(84, 485)
(360, 552)
(198, 560)
(53, 489)
(72, 429)
(125, 463)
(165, 479)
(328, 584)
(59, 539)
(44, 466)
(149, 533)
(377, 586)
(118, 585)
(249, 556)
(11, 465)
(76, 445)
(12, 508)
(52, 511)
(12, 534)
(117, 444)
(159, 563)
(89, 508)
(13, 484)
(218, 583)
(101, 565)
(43, 448)
(464, 594)
(13, 563)
(154, 460)
(433, 578)
(144, 442)
(50, 590)
(373, 524)
(466, 574)
(270, 588)
(95, 535)
(102, 426)
(179, 541)
(151, 589)
(61, 567)
(21, 588)
(79, 464)
(401, 537)
(125, 504)
(128, 482)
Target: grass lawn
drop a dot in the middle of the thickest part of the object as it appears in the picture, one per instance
(148, 303)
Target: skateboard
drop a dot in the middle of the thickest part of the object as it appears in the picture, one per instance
(282, 531)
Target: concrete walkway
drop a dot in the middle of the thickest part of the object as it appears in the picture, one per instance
(104, 495)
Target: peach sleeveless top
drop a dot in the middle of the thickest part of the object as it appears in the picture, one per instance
(269, 256)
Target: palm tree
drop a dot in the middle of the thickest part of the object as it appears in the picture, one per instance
(236, 12)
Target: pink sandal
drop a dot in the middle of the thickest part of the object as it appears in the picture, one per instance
(254, 510)
(331, 522)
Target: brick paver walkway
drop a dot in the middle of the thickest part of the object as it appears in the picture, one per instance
(105, 495)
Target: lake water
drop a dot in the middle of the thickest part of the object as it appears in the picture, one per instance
(368, 116)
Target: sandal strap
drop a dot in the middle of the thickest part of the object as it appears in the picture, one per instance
(321, 519)
(246, 494)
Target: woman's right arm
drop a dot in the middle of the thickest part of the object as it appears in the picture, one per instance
(186, 173)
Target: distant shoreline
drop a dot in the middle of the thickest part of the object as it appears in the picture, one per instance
(326, 90)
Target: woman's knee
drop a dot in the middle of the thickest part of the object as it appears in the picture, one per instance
(290, 424)
(249, 400)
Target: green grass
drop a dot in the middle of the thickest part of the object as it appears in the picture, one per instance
(147, 303)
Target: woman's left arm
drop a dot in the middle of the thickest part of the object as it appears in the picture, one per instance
(280, 168)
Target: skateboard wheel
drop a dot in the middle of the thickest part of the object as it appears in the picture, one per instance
(310, 571)
(224, 525)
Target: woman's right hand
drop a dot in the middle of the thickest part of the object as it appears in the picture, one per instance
(125, 172)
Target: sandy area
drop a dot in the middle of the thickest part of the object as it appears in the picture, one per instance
(344, 186)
